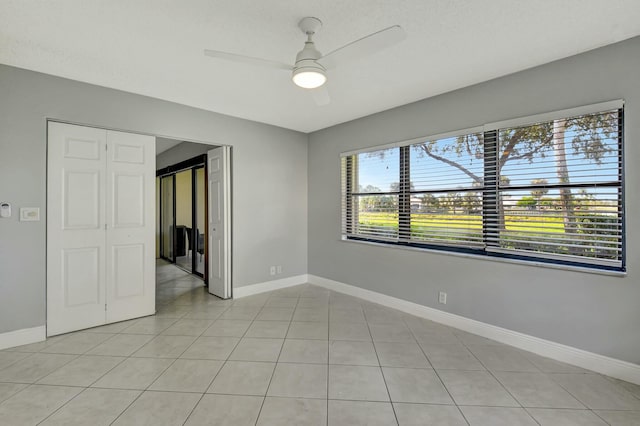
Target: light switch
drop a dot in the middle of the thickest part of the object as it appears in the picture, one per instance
(29, 214)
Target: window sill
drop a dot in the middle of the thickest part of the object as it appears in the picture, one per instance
(582, 269)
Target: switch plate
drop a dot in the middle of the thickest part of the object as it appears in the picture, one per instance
(442, 298)
(279, 269)
(272, 270)
(29, 214)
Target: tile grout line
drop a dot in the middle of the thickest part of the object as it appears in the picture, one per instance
(161, 373)
(182, 353)
(164, 370)
(438, 375)
(196, 305)
(70, 361)
(384, 379)
(273, 373)
(85, 388)
(495, 378)
(587, 408)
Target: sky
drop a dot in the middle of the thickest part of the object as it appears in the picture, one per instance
(428, 173)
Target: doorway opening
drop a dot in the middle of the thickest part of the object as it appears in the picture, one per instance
(182, 204)
(193, 212)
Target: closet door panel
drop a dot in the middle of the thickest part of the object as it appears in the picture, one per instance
(128, 270)
(219, 222)
(128, 199)
(81, 277)
(131, 226)
(75, 228)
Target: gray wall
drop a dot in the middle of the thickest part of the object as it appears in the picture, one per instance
(269, 179)
(593, 312)
(181, 152)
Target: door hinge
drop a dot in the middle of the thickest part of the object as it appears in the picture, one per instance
(106, 147)
(105, 307)
(105, 226)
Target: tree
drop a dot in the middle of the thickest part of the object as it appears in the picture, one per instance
(527, 202)
(585, 201)
(451, 201)
(370, 202)
(568, 217)
(395, 187)
(537, 194)
(470, 202)
(386, 203)
(368, 188)
(531, 142)
(430, 202)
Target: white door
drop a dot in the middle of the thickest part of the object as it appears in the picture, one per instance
(130, 236)
(219, 254)
(75, 228)
(100, 241)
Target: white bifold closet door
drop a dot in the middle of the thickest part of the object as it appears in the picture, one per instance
(219, 252)
(100, 227)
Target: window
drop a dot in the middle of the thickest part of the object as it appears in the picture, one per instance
(545, 188)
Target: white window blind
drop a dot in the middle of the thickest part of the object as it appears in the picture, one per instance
(370, 206)
(560, 190)
(550, 191)
(446, 181)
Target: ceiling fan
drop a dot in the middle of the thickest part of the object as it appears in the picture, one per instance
(309, 69)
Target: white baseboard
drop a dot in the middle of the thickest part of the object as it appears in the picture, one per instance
(249, 290)
(21, 337)
(605, 365)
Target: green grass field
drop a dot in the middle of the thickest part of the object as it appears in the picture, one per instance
(524, 224)
(526, 232)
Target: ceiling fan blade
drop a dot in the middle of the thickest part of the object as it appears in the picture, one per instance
(265, 63)
(365, 46)
(321, 95)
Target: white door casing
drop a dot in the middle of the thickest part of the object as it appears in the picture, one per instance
(219, 196)
(75, 228)
(100, 241)
(130, 232)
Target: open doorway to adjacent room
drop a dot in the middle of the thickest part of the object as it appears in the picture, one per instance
(182, 208)
(181, 212)
(193, 218)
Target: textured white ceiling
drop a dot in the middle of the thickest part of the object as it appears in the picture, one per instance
(154, 47)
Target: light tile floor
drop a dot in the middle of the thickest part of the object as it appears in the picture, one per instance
(298, 356)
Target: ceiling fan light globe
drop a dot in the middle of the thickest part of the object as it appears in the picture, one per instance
(308, 74)
(309, 79)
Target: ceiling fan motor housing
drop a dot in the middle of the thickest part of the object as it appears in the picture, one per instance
(307, 72)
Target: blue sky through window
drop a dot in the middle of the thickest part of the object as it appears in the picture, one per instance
(380, 169)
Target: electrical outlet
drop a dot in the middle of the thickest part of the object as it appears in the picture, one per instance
(279, 269)
(272, 270)
(442, 298)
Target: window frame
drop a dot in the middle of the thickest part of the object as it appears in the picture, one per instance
(489, 192)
